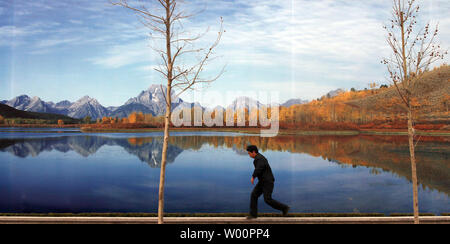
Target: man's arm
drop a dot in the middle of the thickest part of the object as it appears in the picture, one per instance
(259, 168)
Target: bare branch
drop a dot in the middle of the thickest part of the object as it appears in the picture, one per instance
(124, 3)
(196, 79)
(412, 51)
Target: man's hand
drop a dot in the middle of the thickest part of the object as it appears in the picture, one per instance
(252, 180)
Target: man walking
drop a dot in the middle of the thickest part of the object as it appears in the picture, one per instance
(265, 184)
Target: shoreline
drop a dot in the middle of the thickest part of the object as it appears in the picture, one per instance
(244, 130)
(280, 132)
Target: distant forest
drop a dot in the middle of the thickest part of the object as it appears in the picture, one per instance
(376, 107)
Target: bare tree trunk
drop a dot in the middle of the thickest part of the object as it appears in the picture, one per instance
(413, 53)
(163, 172)
(413, 167)
(408, 81)
(178, 76)
(163, 164)
(167, 116)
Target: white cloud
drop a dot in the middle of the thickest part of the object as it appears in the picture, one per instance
(287, 89)
(122, 55)
(55, 42)
(12, 35)
(148, 68)
(14, 31)
(321, 29)
(315, 45)
(333, 43)
(77, 22)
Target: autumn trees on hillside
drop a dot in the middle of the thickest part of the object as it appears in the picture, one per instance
(358, 109)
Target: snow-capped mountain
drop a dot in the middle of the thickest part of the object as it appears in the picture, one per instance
(62, 107)
(293, 101)
(63, 104)
(150, 101)
(155, 94)
(34, 104)
(334, 93)
(83, 107)
(20, 102)
(244, 103)
(154, 99)
(125, 110)
(87, 106)
(112, 108)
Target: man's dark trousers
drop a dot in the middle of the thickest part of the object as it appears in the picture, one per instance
(266, 188)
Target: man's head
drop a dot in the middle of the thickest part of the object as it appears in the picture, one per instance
(252, 151)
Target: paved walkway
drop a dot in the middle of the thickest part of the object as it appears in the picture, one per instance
(222, 220)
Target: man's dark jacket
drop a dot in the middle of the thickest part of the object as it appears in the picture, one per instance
(262, 169)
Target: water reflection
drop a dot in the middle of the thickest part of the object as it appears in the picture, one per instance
(147, 149)
(380, 153)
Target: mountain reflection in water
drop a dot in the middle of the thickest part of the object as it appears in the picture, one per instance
(381, 153)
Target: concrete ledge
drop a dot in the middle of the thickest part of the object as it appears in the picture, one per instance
(222, 220)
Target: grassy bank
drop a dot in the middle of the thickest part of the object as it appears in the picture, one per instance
(137, 130)
(404, 132)
(280, 132)
(234, 130)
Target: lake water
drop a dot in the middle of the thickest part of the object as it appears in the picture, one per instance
(64, 170)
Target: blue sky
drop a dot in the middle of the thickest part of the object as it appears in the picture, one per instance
(67, 49)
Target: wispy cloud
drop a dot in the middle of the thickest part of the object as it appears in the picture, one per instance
(147, 68)
(304, 29)
(304, 89)
(77, 22)
(318, 44)
(301, 47)
(12, 35)
(56, 42)
(122, 55)
(9, 31)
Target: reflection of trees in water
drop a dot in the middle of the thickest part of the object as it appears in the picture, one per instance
(381, 153)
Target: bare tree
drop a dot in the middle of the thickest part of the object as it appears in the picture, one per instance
(164, 20)
(414, 50)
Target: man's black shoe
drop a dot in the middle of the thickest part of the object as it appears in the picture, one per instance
(250, 217)
(285, 211)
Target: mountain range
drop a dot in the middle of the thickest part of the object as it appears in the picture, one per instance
(10, 112)
(150, 101)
